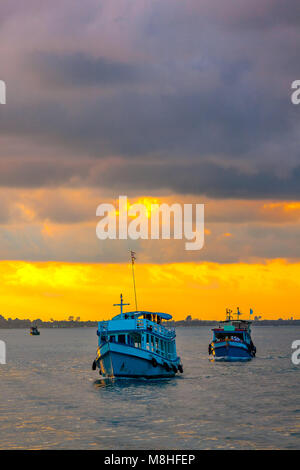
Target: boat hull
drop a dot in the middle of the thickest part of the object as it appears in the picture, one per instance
(231, 352)
(116, 360)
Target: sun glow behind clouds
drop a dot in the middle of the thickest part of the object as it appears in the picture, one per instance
(57, 290)
(145, 201)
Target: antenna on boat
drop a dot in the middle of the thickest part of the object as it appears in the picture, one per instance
(228, 314)
(120, 304)
(133, 258)
(251, 313)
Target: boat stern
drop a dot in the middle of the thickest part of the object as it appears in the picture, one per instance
(230, 351)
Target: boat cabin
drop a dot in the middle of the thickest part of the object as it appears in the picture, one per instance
(144, 330)
(233, 330)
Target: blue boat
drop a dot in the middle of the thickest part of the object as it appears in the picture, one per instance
(34, 331)
(137, 344)
(232, 340)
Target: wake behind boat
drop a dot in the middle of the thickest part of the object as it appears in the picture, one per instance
(232, 340)
(137, 344)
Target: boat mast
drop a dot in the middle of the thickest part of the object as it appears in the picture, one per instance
(133, 258)
(120, 304)
(228, 314)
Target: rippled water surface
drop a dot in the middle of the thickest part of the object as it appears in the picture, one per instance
(51, 399)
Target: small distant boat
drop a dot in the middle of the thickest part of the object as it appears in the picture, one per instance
(137, 344)
(34, 331)
(232, 340)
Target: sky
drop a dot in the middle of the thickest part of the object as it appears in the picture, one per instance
(175, 102)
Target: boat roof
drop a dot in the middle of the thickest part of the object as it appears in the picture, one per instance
(228, 331)
(165, 316)
(233, 325)
(236, 321)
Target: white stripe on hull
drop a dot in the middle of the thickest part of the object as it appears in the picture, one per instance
(121, 361)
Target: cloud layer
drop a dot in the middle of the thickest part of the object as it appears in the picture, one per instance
(205, 89)
(174, 98)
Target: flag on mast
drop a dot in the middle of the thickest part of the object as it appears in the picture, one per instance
(251, 311)
(133, 257)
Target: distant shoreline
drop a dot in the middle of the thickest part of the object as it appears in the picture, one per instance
(17, 323)
(279, 322)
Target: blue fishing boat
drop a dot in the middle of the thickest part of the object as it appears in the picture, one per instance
(137, 344)
(232, 340)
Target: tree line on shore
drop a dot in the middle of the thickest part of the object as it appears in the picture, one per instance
(76, 322)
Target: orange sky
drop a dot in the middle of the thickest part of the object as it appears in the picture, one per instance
(57, 290)
(250, 259)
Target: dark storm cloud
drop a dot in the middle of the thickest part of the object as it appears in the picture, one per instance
(272, 13)
(38, 173)
(201, 88)
(204, 179)
(143, 125)
(208, 179)
(81, 69)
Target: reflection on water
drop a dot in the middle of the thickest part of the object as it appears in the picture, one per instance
(133, 382)
(50, 397)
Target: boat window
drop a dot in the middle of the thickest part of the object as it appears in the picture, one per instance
(230, 335)
(130, 340)
(121, 339)
(137, 341)
(112, 339)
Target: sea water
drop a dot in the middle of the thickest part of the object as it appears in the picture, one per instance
(51, 399)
